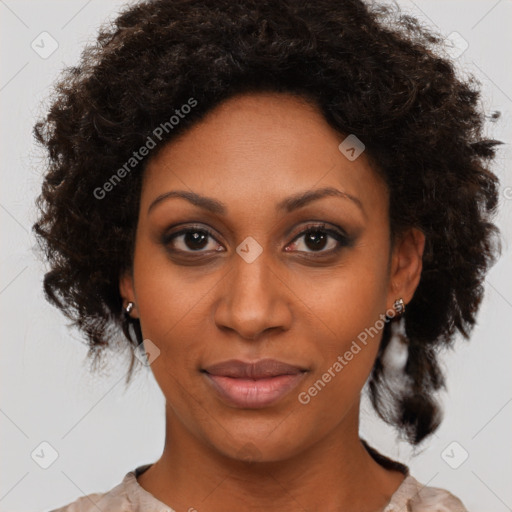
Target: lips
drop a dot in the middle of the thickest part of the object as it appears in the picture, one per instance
(261, 369)
(253, 385)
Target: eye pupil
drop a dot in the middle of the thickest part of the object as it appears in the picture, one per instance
(317, 239)
(196, 239)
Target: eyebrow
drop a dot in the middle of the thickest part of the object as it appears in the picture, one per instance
(288, 204)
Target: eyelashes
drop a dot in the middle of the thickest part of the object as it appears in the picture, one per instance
(318, 239)
(318, 236)
(197, 237)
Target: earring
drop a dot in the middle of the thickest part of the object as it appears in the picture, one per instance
(399, 306)
(395, 356)
(129, 307)
(395, 359)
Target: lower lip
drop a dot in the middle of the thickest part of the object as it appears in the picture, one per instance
(254, 394)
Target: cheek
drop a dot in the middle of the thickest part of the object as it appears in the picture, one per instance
(161, 302)
(344, 355)
(170, 313)
(165, 293)
(347, 299)
(347, 309)
(169, 319)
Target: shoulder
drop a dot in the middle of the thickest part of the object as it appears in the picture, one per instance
(415, 497)
(128, 496)
(115, 500)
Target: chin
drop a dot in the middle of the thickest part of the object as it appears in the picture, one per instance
(272, 442)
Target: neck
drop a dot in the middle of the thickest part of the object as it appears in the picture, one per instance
(191, 474)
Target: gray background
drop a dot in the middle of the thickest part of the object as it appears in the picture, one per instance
(99, 429)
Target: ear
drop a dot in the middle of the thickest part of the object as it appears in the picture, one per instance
(406, 266)
(127, 291)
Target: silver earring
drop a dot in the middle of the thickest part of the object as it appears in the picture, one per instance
(399, 306)
(395, 359)
(129, 307)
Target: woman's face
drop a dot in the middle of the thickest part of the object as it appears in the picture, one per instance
(271, 268)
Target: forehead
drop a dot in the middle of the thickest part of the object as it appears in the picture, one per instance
(260, 148)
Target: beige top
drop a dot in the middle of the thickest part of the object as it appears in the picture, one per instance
(129, 496)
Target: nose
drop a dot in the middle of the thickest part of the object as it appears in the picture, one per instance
(253, 300)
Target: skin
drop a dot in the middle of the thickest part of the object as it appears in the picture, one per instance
(250, 153)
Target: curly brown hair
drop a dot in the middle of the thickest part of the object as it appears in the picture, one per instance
(370, 70)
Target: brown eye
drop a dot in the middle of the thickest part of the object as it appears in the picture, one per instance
(319, 239)
(316, 240)
(191, 240)
(195, 239)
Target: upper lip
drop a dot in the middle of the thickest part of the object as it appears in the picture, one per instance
(261, 369)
